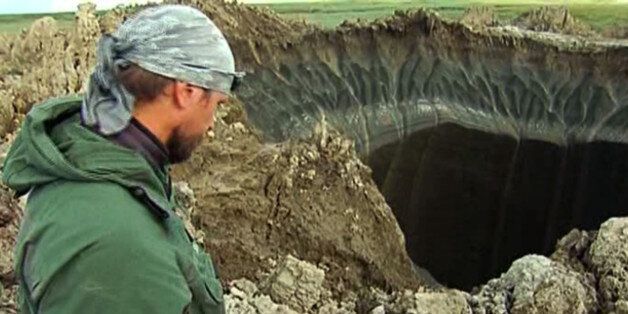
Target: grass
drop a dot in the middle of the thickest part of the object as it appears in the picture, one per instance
(597, 13)
(11, 24)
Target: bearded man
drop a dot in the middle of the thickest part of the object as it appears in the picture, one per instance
(99, 233)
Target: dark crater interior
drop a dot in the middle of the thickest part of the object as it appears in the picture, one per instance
(471, 202)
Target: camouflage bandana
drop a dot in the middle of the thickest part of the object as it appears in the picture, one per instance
(175, 41)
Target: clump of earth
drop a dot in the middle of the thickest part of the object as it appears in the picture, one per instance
(553, 19)
(299, 226)
(479, 16)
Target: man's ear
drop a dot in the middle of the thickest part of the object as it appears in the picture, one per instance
(185, 95)
(180, 95)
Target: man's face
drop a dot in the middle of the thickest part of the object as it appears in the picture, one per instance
(199, 120)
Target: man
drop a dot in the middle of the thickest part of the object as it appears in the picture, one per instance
(99, 234)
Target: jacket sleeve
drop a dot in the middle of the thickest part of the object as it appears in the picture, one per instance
(117, 273)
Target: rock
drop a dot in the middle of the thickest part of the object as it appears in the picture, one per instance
(536, 284)
(609, 259)
(572, 248)
(246, 286)
(184, 196)
(621, 307)
(259, 305)
(244, 298)
(296, 283)
(333, 307)
(330, 306)
(378, 310)
(421, 302)
(264, 305)
(186, 207)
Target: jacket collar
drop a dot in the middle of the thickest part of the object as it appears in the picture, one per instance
(140, 139)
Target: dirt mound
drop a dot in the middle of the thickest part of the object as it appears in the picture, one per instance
(112, 18)
(239, 21)
(310, 198)
(535, 284)
(44, 62)
(479, 17)
(553, 19)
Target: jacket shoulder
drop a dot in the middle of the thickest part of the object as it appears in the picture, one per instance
(96, 240)
(101, 205)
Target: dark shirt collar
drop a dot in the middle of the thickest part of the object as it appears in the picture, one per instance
(138, 138)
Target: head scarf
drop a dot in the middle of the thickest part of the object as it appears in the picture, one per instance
(174, 41)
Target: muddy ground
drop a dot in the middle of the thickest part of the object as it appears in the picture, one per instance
(299, 226)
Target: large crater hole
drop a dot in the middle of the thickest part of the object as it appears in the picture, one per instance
(471, 202)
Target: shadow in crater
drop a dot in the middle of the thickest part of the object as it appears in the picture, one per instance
(471, 202)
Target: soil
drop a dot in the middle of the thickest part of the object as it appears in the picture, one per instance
(553, 19)
(478, 17)
(241, 22)
(10, 217)
(310, 198)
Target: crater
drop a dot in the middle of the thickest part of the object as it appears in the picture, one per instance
(487, 145)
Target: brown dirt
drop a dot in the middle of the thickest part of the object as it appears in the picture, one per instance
(479, 17)
(616, 31)
(313, 199)
(10, 217)
(553, 19)
(44, 62)
(253, 24)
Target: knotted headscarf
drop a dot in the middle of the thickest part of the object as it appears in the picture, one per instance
(174, 41)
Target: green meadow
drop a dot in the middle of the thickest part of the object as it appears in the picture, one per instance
(599, 14)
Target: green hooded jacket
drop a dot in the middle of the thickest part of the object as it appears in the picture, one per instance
(99, 233)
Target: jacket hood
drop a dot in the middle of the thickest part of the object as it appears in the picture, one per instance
(54, 145)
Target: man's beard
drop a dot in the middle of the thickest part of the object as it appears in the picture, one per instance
(180, 146)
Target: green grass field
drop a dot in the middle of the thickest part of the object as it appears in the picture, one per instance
(17, 22)
(599, 14)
